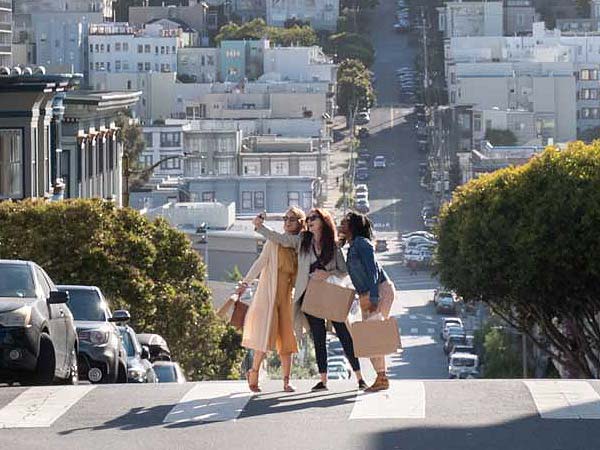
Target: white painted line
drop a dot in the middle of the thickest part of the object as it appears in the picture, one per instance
(564, 399)
(414, 330)
(403, 400)
(430, 330)
(216, 401)
(412, 317)
(40, 407)
(428, 318)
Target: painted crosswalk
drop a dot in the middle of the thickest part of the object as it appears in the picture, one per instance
(227, 401)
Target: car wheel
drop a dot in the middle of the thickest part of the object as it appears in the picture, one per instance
(73, 375)
(46, 363)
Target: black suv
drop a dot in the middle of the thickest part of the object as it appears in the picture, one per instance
(38, 342)
(101, 355)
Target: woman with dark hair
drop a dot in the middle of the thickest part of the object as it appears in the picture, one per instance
(319, 257)
(375, 290)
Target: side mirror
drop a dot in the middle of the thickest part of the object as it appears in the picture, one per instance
(145, 352)
(58, 298)
(120, 315)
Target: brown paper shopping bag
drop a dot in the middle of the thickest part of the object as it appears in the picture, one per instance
(327, 301)
(375, 337)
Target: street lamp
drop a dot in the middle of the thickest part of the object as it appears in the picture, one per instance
(128, 171)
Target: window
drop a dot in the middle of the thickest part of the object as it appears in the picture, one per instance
(477, 123)
(208, 196)
(293, 198)
(307, 200)
(280, 167)
(140, 48)
(246, 200)
(147, 67)
(170, 139)
(102, 48)
(43, 283)
(252, 168)
(162, 50)
(259, 200)
(148, 139)
(147, 48)
(117, 46)
(126, 47)
(140, 67)
(107, 48)
(308, 169)
(223, 167)
(128, 84)
(146, 160)
(125, 65)
(11, 163)
(118, 65)
(171, 164)
(210, 61)
(91, 48)
(108, 66)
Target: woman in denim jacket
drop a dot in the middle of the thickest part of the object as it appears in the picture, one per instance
(375, 290)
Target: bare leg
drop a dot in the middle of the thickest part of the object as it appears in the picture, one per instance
(286, 367)
(252, 374)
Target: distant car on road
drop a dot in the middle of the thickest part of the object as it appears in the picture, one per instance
(381, 245)
(363, 133)
(157, 346)
(38, 341)
(101, 356)
(362, 174)
(168, 372)
(139, 368)
(361, 188)
(446, 305)
(451, 329)
(362, 118)
(463, 365)
(361, 196)
(362, 206)
(379, 162)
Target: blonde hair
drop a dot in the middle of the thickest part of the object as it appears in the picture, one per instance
(300, 215)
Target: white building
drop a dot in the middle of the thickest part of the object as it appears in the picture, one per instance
(31, 6)
(299, 64)
(484, 18)
(5, 33)
(197, 64)
(553, 67)
(119, 48)
(322, 14)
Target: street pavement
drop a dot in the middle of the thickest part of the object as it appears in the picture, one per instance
(412, 415)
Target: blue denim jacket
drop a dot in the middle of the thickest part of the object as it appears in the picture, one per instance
(364, 270)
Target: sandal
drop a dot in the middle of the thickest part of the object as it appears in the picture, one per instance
(287, 387)
(253, 386)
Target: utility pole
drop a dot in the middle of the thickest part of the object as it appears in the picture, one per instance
(425, 60)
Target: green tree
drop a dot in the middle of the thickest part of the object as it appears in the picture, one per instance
(235, 275)
(146, 267)
(258, 29)
(525, 241)
(500, 137)
(351, 46)
(355, 90)
(501, 358)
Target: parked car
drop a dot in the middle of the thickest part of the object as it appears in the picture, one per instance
(139, 368)
(463, 365)
(361, 196)
(38, 342)
(363, 133)
(379, 162)
(454, 321)
(446, 305)
(362, 118)
(461, 348)
(425, 234)
(362, 174)
(168, 372)
(101, 357)
(362, 206)
(454, 339)
(381, 245)
(361, 188)
(451, 329)
(157, 346)
(439, 294)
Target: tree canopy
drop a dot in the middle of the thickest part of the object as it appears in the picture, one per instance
(351, 46)
(258, 29)
(525, 241)
(146, 267)
(355, 90)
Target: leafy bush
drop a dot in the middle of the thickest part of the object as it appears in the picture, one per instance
(146, 267)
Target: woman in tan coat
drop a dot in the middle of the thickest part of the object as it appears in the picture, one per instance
(269, 322)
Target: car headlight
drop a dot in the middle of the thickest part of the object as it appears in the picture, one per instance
(18, 318)
(135, 373)
(93, 336)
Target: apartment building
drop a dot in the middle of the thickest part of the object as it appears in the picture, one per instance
(121, 48)
(105, 7)
(5, 33)
(559, 70)
(582, 25)
(197, 64)
(483, 18)
(519, 17)
(299, 64)
(212, 152)
(321, 14)
(163, 143)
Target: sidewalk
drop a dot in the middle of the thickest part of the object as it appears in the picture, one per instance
(338, 165)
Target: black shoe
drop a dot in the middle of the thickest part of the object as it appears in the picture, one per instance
(362, 385)
(320, 386)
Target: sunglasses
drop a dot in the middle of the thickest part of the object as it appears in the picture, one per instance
(313, 217)
(289, 219)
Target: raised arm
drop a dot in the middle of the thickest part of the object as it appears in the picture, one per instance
(283, 239)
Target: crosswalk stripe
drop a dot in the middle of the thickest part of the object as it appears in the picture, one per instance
(405, 399)
(39, 407)
(215, 401)
(562, 399)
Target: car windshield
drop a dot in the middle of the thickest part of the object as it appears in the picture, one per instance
(128, 343)
(463, 362)
(86, 304)
(16, 281)
(446, 300)
(165, 373)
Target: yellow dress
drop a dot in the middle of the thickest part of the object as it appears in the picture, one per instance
(282, 335)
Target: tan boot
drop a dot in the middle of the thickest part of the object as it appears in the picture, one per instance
(381, 384)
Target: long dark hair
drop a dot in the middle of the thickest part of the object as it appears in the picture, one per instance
(359, 225)
(328, 236)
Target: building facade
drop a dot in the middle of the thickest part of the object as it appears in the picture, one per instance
(483, 18)
(5, 33)
(321, 14)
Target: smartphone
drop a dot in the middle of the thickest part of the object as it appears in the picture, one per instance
(263, 215)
